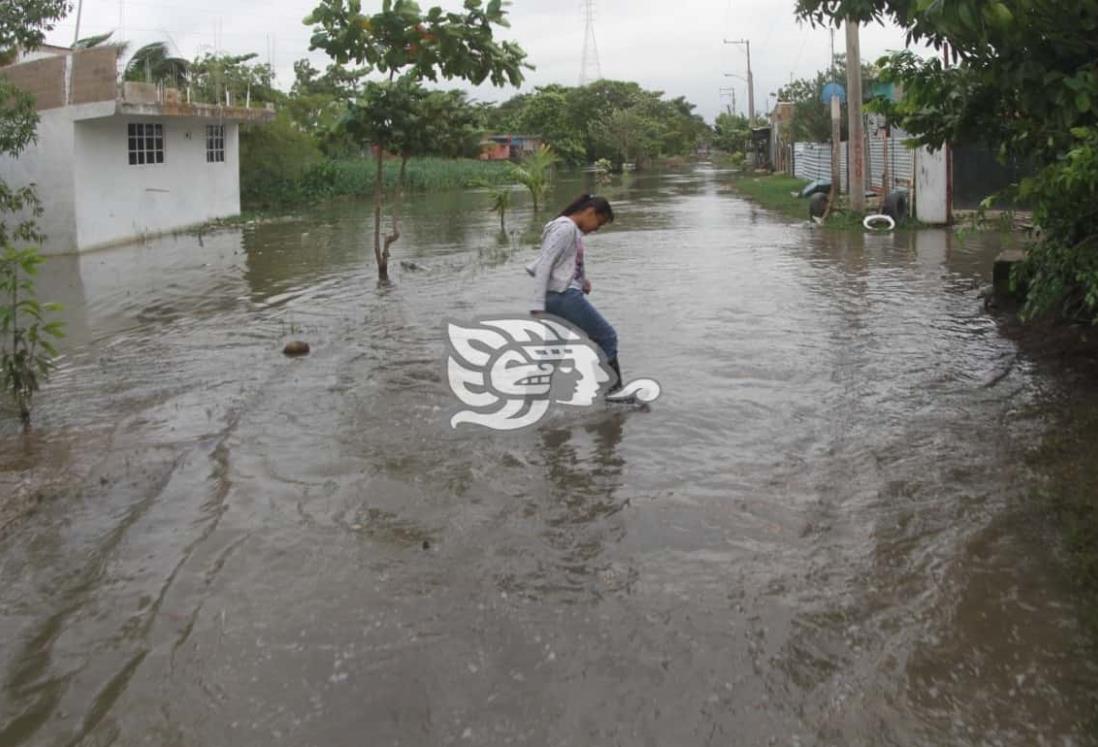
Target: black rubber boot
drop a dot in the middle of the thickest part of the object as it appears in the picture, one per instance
(613, 363)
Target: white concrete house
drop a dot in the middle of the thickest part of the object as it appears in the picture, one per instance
(116, 162)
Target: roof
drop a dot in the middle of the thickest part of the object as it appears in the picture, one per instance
(40, 52)
(93, 79)
(493, 135)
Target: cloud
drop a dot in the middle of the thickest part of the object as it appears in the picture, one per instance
(675, 47)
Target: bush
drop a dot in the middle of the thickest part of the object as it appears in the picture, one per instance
(26, 337)
(274, 158)
(1061, 271)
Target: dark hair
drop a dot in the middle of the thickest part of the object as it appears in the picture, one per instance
(581, 203)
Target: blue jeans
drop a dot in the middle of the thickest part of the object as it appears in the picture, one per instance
(573, 306)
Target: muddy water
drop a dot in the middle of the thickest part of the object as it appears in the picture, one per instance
(822, 534)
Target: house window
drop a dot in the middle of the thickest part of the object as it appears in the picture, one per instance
(146, 143)
(215, 143)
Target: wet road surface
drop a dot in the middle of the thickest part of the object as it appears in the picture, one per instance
(822, 534)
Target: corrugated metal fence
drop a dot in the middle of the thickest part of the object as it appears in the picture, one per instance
(899, 158)
(813, 161)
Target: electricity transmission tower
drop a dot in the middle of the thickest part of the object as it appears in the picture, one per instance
(590, 70)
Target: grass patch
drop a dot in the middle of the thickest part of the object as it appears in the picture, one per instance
(778, 192)
(774, 192)
(335, 178)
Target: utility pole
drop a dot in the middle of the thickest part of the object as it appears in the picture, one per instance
(732, 93)
(750, 79)
(79, 12)
(831, 67)
(856, 146)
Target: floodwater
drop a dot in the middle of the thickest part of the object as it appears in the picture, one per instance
(822, 534)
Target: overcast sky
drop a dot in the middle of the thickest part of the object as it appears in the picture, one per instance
(671, 45)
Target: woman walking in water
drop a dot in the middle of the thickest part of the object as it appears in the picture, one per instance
(560, 279)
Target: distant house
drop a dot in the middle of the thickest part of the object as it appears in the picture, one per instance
(506, 147)
(114, 161)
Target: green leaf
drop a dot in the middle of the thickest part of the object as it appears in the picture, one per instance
(966, 15)
(1082, 102)
(1001, 15)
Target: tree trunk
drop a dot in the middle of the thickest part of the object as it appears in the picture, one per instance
(379, 187)
(395, 235)
(20, 400)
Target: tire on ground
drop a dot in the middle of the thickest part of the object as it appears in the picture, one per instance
(895, 205)
(817, 205)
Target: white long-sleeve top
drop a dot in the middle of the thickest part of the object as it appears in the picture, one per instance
(554, 269)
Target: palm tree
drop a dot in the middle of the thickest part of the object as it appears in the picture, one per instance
(153, 64)
(536, 173)
(92, 41)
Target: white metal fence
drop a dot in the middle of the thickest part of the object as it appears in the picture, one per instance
(812, 161)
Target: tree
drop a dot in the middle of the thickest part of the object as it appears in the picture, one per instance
(317, 102)
(212, 76)
(26, 337)
(451, 126)
(25, 23)
(25, 350)
(684, 129)
(572, 120)
(403, 42)
(1023, 82)
(629, 135)
(545, 113)
(811, 116)
(153, 63)
(732, 133)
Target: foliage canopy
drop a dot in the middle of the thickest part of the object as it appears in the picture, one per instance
(616, 120)
(1023, 81)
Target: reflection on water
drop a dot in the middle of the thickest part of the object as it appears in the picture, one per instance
(819, 535)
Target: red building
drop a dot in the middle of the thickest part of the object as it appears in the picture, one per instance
(508, 147)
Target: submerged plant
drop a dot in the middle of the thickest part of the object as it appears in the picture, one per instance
(501, 203)
(536, 173)
(26, 337)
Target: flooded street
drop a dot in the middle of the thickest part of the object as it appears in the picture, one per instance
(822, 534)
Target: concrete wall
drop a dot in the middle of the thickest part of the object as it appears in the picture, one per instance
(116, 202)
(47, 165)
(94, 75)
(83, 77)
(44, 79)
(932, 197)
